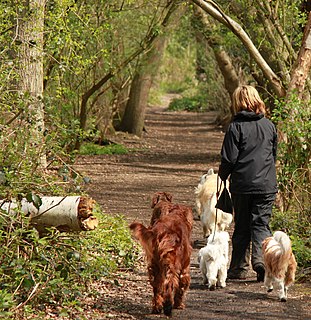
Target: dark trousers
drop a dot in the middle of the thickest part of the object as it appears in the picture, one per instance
(252, 213)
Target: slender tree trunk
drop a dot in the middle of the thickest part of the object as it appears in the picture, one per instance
(30, 32)
(231, 78)
(227, 69)
(134, 115)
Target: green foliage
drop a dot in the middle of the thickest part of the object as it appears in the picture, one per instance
(95, 149)
(294, 151)
(177, 72)
(298, 226)
(189, 69)
(56, 270)
(195, 104)
(292, 117)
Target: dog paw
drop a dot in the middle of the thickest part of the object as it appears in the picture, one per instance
(179, 306)
(212, 287)
(283, 299)
(270, 290)
(156, 310)
(167, 309)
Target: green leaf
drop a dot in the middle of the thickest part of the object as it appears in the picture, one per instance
(37, 201)
(28, 283)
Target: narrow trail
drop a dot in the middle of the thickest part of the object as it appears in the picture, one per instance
(176, 149)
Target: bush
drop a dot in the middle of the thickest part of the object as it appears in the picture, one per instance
(292, 118)
(298, 227)
(95, 149)
(294, 152)
(187, 104)
(54, 271)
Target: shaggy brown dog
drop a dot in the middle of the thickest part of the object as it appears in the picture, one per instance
(280, 263)
(162, 205)
(168, 250)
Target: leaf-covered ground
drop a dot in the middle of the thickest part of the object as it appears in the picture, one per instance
(175, 150)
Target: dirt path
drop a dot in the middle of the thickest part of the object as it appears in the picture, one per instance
(176, 149)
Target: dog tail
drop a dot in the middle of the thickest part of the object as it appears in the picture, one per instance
(144, 236)
(284, 241)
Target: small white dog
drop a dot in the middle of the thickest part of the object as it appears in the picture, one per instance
(213, 260)
(280, 263)
(206, 199)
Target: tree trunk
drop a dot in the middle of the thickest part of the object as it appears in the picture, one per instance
(30, 34)
(72, 213)
(227, 69)
(303, 63)
(231, 78)
(134, 115)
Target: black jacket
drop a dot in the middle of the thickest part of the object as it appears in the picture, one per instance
(248, 154)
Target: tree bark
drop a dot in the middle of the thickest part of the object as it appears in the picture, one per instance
(231, 78)
(134, 114)
(72, 213)
(30, 33)
(302, 65)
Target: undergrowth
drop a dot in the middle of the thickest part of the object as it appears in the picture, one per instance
(53, 272)
(298, 227)
(292, 118)
(95, 149)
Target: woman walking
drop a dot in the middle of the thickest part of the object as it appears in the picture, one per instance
(248, 156)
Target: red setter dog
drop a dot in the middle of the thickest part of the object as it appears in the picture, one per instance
(162, 205)
(166, 243)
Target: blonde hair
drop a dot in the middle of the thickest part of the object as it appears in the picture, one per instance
(247, 98)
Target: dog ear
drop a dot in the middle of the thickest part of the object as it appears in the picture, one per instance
(168, 196)
(155, 199)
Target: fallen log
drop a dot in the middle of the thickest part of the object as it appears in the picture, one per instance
(70, 213)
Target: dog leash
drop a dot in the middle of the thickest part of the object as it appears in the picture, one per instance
(217, 196)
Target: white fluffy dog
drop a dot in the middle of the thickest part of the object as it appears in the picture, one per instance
(213, 260)
(280, 263)
(206, 199)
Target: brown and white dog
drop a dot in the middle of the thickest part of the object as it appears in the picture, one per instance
(168, 250)
(206, 198)
(280, 263)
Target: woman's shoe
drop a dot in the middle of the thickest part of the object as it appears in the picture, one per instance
(260, 270)
(237, 275)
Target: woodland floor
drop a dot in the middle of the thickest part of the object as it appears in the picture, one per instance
(175, 150)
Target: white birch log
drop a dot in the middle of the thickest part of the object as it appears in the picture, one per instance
(71, 213)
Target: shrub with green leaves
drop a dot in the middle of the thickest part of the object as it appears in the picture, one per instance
(298, 227)
(56, 270)
(95, 149)
(194, 104)
(294, 151)
(292, 117)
